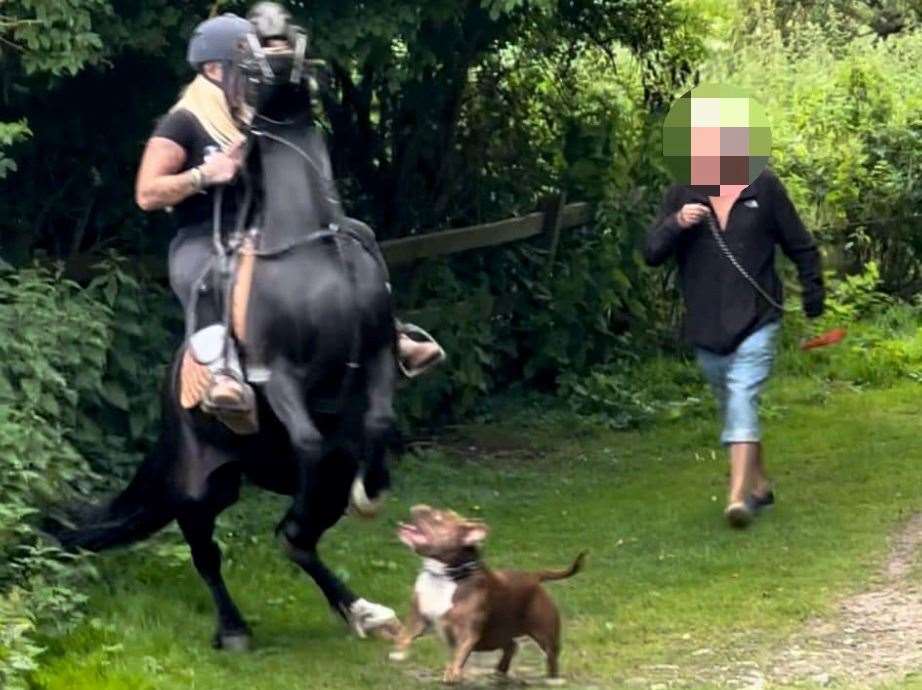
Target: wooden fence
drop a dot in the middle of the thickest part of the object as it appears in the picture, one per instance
(555, 217)
(550, 222)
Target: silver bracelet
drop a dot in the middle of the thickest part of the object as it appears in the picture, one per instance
(198, 180)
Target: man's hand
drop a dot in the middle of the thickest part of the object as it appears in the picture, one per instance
(691, 214)
(222, 166)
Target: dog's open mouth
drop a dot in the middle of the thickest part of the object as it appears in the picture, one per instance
(411, 535)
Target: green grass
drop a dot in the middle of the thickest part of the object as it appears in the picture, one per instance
(665, 577)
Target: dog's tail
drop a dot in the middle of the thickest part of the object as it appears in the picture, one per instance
(549, 575)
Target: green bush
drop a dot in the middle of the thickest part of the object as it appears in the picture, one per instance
(53, 343)
(884, 340)
(515, 315)
(633, 391)
(65, 353)
(846, 116)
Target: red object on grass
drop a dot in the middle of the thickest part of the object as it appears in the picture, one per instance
(828, 338)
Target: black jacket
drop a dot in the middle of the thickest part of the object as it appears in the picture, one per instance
(722, 308)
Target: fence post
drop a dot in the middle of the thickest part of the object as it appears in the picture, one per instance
(553, 221)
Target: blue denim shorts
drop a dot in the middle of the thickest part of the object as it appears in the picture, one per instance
(737, 380)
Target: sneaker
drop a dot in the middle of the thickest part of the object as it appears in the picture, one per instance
(739, 514)
(227, 393)
(757, 503)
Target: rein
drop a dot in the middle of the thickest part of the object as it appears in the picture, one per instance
(225, 250)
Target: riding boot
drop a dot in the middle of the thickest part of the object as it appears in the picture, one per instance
(229, 397)
(417, 351)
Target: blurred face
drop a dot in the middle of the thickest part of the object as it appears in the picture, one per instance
(716, 140)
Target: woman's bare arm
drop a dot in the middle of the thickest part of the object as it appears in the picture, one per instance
(159, 184)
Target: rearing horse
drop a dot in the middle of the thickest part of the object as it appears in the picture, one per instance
(321, 324)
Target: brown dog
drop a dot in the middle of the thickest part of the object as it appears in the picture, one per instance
(472, 607)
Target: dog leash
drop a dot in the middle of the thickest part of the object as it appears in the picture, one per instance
(830, 337)
(731, 257)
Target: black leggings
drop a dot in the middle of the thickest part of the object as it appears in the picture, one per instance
(190, 259)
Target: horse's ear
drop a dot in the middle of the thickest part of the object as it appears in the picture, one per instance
(475, 533)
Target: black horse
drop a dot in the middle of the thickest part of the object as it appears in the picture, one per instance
(320, 321)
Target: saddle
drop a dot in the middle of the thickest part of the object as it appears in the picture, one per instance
(195, 377)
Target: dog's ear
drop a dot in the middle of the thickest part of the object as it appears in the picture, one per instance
(474, 533)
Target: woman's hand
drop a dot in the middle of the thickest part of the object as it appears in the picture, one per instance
(691, 214)
(221, 167)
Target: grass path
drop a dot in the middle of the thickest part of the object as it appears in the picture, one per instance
(666, 578)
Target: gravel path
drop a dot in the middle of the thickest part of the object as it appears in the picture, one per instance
(875, 637)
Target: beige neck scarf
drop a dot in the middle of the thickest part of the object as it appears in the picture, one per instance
(207, 104)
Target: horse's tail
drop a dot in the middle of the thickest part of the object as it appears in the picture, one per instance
(139, 511)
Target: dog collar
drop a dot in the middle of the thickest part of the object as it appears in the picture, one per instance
(463, 571)
(456, 573)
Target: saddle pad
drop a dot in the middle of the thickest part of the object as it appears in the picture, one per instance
(194, 380)
(240, 295)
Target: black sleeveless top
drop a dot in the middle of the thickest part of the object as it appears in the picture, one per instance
(183, 128)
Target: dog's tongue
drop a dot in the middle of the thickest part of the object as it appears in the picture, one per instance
(410, 535)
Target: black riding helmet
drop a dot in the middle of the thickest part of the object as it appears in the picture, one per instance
(217, 40)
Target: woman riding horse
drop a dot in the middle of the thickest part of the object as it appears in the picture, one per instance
(194, 150)
(320, 321)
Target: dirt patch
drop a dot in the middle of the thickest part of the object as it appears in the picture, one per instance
(875, 637)
(528, 670)
(507, 448)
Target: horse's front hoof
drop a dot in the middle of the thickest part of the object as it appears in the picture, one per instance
(367, 618)
(361, 504)
(233, 641)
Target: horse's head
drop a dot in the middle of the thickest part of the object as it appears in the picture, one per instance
(272, 79)
(270, 88)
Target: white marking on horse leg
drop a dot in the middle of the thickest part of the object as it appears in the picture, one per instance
(361, 503)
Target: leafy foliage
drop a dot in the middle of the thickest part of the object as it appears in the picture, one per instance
(10, 132)
(44, 369)
(54, 36)
(846, 122)
(61, 371)
(884, 341)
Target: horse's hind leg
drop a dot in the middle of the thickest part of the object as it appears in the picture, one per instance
(197, 524)
(232, 632)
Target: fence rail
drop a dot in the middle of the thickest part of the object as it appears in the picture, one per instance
(555, 216)
(552, 220)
